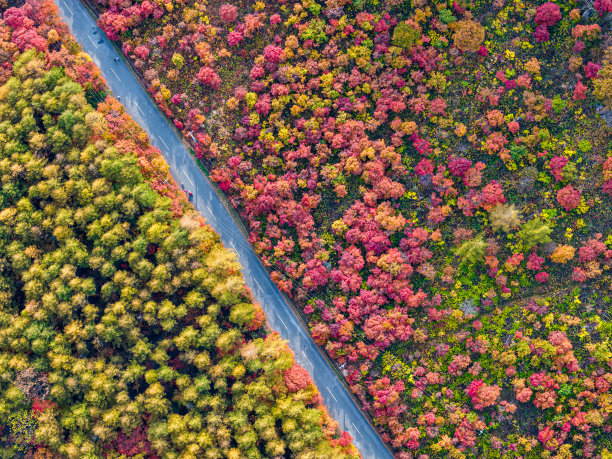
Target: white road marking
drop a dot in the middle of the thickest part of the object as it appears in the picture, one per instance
(355, 427)
(92, 42)
(331, 393)
(281, 319)
(306, 357)
(113, 70)
(66, 5)
(162, 141)
(139, 109)
(189, 179)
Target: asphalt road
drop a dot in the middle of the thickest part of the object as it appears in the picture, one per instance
(186, 172)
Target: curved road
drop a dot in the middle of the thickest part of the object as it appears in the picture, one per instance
(186, 172)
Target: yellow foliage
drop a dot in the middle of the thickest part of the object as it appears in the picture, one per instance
(563, 254)
(468, 35)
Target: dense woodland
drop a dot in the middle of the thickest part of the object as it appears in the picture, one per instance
(126, 329)
(431, 182)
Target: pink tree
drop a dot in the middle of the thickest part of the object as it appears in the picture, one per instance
(228, 13)
(208, 77)
(548, 14)
(568, 197)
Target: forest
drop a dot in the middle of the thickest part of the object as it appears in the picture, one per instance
(126, 328)
(430, 181)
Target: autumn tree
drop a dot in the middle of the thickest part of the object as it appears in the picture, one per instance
(534, 232)
(468, 35)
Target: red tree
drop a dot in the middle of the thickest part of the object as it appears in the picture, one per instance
(568, 197)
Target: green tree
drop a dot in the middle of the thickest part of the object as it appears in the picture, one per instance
(534, 232)
(405, 36)
(471, 251)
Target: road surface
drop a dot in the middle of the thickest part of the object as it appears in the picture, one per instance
(186, 172)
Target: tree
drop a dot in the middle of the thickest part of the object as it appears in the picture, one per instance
(504, 217)
(603, 84)
(208, 77)
(471, 251)
(534, 232)
(563, 254)
(405, 35)
(178, 60)
(548, 14)
(568, 197)
(468, 35)
(228, 13)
